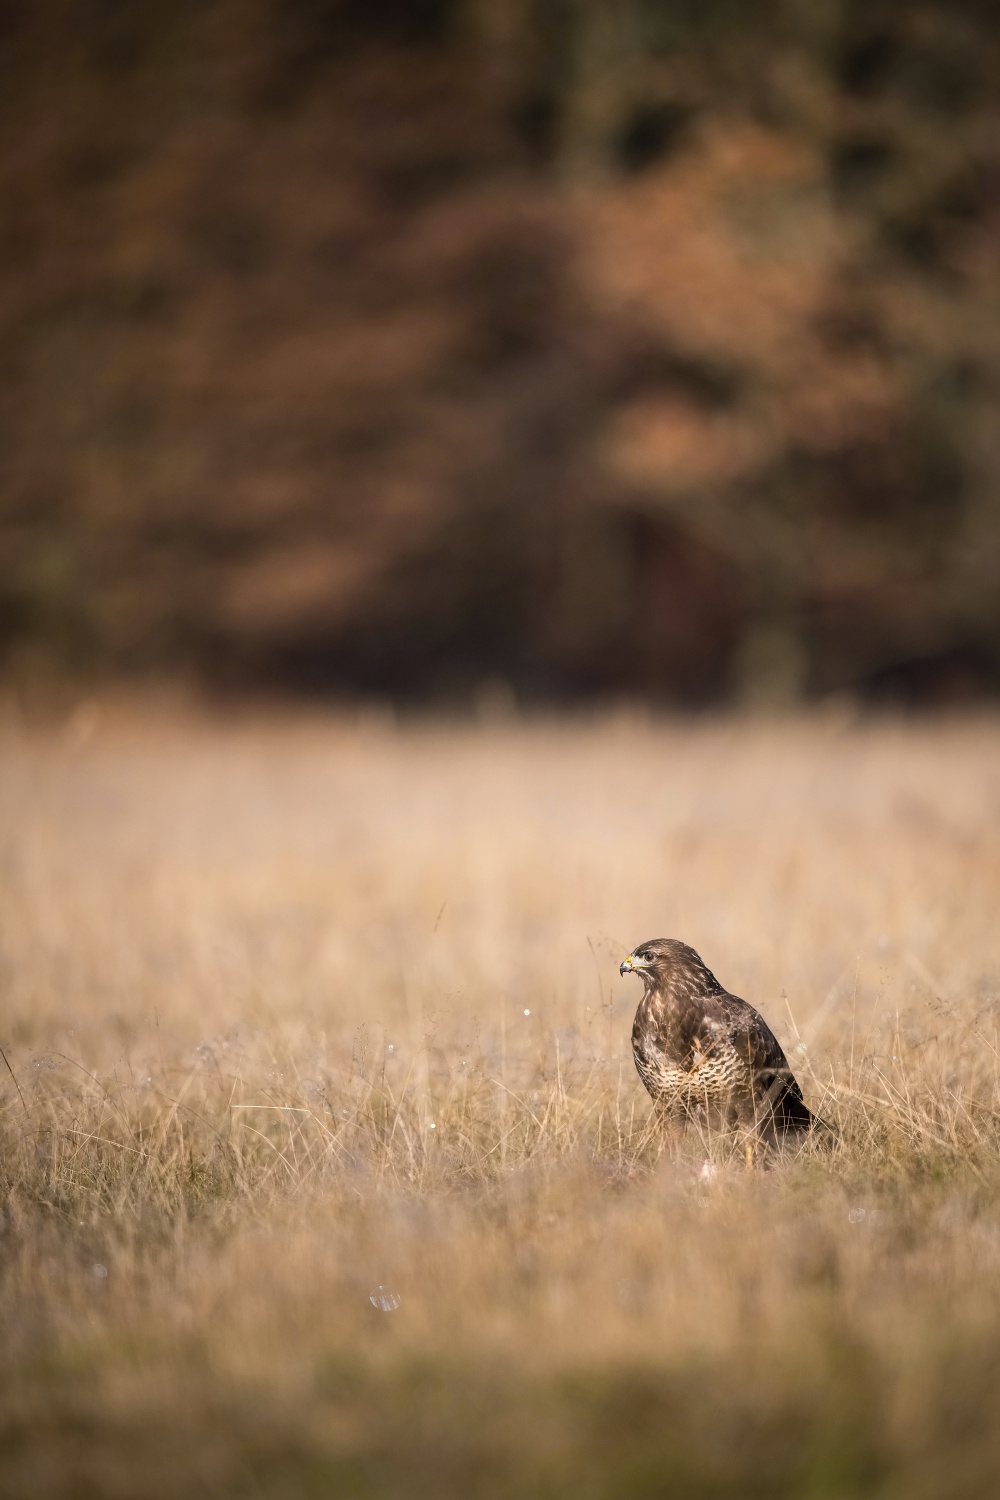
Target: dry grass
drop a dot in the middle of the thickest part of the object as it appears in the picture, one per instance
(299, 1011)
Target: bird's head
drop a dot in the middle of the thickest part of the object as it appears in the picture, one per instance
(644, 960)
(664, 961)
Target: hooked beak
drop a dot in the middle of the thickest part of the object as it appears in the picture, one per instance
(633, 965)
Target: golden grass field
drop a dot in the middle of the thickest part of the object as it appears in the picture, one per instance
(296, 1010)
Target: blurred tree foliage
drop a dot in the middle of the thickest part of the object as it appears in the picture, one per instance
(601, 346)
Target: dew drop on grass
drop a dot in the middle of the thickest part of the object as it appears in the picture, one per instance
(527, 1012)
(385, 1300)
(432, 1126)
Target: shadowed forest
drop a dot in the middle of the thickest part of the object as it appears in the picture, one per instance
(476, 347)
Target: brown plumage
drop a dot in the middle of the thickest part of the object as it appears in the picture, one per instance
(704, 1053)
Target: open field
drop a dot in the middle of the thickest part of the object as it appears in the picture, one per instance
(305, 1017)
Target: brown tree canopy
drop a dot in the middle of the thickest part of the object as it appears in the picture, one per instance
(601, 348)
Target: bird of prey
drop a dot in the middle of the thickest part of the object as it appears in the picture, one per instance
(703, 1053)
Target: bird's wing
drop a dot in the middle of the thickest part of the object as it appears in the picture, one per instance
(712, 1027)
(754, 1039)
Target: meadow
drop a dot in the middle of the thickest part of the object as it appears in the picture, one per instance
(325, 1168)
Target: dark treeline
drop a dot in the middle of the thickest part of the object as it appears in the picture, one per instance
(400, 346)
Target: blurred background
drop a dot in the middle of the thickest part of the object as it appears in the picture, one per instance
(482, 352)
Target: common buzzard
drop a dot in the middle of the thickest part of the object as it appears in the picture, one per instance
(704, 1053)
